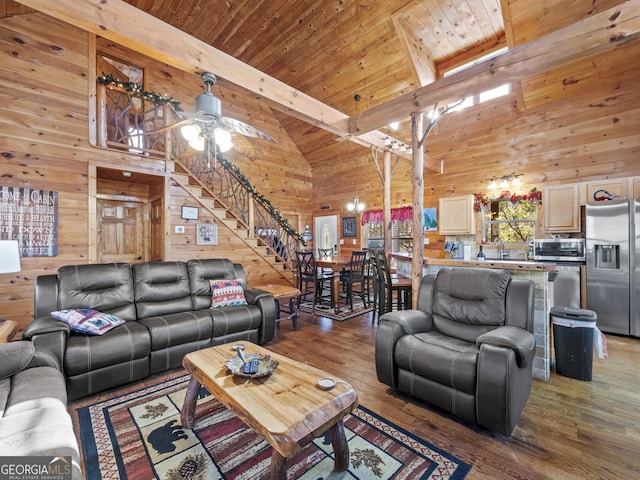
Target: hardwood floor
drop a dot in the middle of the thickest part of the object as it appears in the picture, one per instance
(569, 429)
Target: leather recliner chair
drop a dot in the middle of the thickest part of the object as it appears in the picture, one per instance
(468, 348)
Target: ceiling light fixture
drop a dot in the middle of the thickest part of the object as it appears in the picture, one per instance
(503, 182)
(195, 135)
(356, 206)
(394, 126)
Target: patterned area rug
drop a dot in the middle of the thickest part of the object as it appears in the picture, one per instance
(344, 311)
(138, 435)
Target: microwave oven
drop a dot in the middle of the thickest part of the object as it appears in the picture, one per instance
(559, 250)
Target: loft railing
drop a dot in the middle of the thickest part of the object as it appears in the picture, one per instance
(124, 120)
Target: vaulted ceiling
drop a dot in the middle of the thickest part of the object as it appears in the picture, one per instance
(381, 50)
(333, 49)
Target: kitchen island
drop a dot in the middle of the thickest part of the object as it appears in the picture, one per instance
(538, 272)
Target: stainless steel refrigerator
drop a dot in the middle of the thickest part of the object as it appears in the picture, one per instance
(613, 260)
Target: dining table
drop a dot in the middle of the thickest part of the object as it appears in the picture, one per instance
(335, 263)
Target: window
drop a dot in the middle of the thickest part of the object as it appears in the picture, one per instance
(500, 91)
(509, 222)
(483, 96)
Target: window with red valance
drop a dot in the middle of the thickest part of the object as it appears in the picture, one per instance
(401, 214)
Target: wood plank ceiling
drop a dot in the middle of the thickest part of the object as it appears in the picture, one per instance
(333, 49)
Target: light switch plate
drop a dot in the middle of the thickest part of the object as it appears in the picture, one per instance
(179, 229)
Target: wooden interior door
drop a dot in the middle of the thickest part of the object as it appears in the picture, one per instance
(157, 230)
(121, 227)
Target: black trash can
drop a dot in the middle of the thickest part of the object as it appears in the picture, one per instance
(573, 331)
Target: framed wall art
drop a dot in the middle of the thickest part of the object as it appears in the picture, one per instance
(190, 213)
(207, 234)
(349, 227)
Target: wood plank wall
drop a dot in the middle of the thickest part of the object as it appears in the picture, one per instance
(44, 144)
(579, 123)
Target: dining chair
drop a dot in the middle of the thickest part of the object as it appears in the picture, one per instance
(389, 284)
(325, 252)
(353, 274)
(308, 274)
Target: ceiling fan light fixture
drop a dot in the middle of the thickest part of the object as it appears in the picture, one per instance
(223, 139)
(190, 132)
(198, 144)
(208, 106)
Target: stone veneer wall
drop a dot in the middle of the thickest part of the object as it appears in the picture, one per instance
(542, 360)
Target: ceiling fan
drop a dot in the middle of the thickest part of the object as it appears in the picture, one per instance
(208, 123)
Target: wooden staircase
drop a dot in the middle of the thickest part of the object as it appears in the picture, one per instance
(183, 177)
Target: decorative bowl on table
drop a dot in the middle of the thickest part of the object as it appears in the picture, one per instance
(266, 366)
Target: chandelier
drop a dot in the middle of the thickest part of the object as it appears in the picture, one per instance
(356, 206)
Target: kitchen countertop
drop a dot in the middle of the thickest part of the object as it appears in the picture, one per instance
(523, 265)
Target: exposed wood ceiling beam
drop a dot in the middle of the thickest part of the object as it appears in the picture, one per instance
(605, 31)
(121, 23)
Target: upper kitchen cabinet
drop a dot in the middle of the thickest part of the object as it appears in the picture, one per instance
(620, 187)
(456, 216)
(561, 207)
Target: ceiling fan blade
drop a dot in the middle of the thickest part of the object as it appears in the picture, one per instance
(243, 146)
(243, 128)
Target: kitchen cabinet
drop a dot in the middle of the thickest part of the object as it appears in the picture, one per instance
(636, 187)
(561, 208)
(618, 187)
(456, 216)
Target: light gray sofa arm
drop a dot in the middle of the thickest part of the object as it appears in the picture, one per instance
(391, 327)
(21, 355)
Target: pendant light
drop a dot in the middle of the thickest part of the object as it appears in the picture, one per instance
(356, 206)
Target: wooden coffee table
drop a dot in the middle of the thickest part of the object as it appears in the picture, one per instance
(8, 329)
(287, 408)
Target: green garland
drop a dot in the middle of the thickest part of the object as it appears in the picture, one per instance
(286, 226)
(137, 89)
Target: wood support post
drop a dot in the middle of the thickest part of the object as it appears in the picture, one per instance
(418, 204)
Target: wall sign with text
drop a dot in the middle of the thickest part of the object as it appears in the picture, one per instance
(31, 217)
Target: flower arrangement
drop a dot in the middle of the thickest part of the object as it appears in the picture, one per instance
(483, 200)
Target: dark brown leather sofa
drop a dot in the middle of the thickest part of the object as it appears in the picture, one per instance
(166, 306)
(468, 348)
